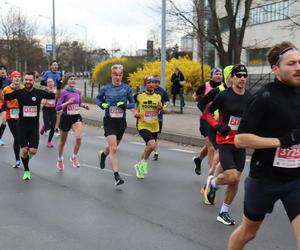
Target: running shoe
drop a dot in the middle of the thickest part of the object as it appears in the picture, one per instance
(2, 142)
(75, 161)
(138, 171)
(144, 166)
(26, 175)
(57, 134)
(209, 192)
(50, 144)
(225, 218)
(42, 130)
(118, 180)
(197, 162)
(102, 158)
(60, 165)
(155, 157)
(17, 164)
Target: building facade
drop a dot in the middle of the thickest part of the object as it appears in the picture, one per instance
(270, 22)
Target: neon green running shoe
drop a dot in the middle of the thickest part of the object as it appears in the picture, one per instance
(27, 175)
(138, 171)
(30, 155)
(144, 166)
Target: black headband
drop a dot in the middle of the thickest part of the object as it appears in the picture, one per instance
(277, 58)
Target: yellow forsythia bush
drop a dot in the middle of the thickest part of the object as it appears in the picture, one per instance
(190, 69)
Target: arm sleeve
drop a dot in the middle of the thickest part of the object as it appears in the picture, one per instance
(11, 96)
(200, 90)
(60, 101)
(203, 101)
(130, 98)
(253, 114)
(165, 97)
(100, 97)
(209, 114)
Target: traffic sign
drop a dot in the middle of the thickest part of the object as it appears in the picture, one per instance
(49, 48)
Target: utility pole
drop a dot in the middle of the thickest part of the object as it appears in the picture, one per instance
(163, 46)
(53, 31)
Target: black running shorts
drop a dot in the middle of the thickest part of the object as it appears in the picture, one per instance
(28, 133)
(66, 121)
(114, 126)
(203, 127)
(147, 135)
(231, 157)
(261, 195)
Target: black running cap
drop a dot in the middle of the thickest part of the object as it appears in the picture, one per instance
(239, 68)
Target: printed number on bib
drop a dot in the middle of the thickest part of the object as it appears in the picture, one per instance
(30, 111)
(14, 113)
(287, 157)
(73, 109)
(116, 112)
(150, 115)
(234, 122)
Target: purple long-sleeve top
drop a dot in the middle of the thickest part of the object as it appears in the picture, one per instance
(66, 95)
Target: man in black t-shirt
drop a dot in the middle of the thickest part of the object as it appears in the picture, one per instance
(29, 99)
(271, 125)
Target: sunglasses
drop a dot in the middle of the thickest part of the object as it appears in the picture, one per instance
(155, 81)
(239, 75)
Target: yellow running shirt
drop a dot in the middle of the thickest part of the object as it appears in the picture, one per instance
(147, 107)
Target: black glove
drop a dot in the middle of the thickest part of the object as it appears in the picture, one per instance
(290, 139)
(223, 129)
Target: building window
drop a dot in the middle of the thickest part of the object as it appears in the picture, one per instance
(270, 12)
(257, 56)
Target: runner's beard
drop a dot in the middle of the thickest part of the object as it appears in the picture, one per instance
(28, 86)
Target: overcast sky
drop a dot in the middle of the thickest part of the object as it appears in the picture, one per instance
(110, 24)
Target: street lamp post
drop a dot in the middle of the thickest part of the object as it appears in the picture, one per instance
(53, 31)
(163, 45)
(85, 37)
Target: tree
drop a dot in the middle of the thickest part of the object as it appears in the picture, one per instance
(229, 49)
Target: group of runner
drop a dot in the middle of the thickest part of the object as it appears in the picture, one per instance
(231, 120)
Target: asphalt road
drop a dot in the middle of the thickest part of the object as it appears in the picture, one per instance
(81, 209)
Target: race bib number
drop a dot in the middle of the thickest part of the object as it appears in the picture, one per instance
(50, 102)
(73, 109)
(150, 115)
(287, 157)
(14, 113)
(234, 122)
(116, 112)
(30, 111)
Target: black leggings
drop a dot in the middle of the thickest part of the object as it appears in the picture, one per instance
(12, 124)
(49, 117)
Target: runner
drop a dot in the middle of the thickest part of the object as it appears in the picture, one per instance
(12, 114)
(271, 126)
(70, 103)
(230, 103)
(113, 98)
(148, 106)
(29, 99)
(56, 75)
(207, 149)
(165, 102)
(49, 113)
(4, 81)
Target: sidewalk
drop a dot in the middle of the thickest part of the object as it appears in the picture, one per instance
(180, 128)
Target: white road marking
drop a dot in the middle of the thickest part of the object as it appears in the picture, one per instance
(248, 159)
(4, 146)
(107, 170)
(182, 150)
(137, 143)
